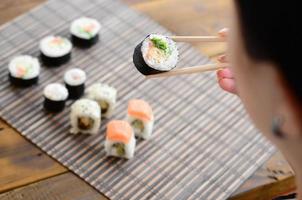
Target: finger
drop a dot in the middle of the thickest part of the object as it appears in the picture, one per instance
(225, 73)
(228, 85)
(223, 32)
(222, 59)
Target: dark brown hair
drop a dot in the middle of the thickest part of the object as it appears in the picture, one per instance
(271, 32)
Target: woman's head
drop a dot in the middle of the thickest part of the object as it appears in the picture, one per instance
(263, 49)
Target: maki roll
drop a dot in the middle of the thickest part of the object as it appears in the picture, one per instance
(75, 82)
(55, 96)
(155, 54)
(85, 117)
(105, 96)
(120, 141)
(140, 117)
(85, 32)
(24, 70)
(55, 50)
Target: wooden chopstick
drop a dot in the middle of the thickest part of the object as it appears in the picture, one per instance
(197, 38)
(188, 70)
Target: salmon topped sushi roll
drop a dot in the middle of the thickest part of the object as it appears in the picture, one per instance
(140, 116)
(120, 140)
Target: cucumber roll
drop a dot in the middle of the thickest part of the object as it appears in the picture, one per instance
(55, 50)
(155, 54)
(75, 82)
(24, 71)
(85, 117)
(85, 32)
(55, 96)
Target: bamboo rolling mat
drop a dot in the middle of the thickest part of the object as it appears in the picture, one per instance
(203, 146)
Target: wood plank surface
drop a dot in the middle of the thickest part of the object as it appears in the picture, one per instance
(21, 163)
(66, 186)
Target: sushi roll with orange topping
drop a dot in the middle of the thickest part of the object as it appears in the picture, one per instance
(85, 32)
(120, 140)
(140, 116)
(85, 117)
(24, 71)
(155, 54)
(55, 50)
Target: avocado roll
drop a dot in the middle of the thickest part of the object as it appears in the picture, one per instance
(85, 117)
(75, 82)
(85, 32)
(55, 50)
(155, 54)
(55, 96)
(105, 96)
(24, 71)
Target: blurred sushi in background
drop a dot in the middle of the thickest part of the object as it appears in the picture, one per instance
(55, 96)
(75, 82)
(120, 140)
(24, 71)
(104, 95)
(155, 54)
(85, 32)
(85, 117)
(140, 117)
(55, 50)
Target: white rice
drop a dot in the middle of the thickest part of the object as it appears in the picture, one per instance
(51, 49)
(102, 92)
(85, 108)
(129, 148)
(55, 92)
(79, 24)
(30, 67)
(148, 127)
(165, 64)
(75, 77)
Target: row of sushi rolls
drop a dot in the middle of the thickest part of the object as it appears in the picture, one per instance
(156, 53)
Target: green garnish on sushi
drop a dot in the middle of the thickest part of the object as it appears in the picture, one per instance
(161, 44)
(120, 149)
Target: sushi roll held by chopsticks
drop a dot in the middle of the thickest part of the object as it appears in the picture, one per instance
(120, 140)
(140, 116)
(157, 56)
(85, 117)
(24, 71)
(55, 50)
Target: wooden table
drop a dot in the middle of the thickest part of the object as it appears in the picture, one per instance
(28, 173)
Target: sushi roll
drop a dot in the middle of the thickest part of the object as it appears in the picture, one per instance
(55, 50)
(85, 117)
(75, 82)
(55, 96)
(120, 140)
(140, 117)
(105, 95)
(155, 54)
(24, 71)
(85, 32)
